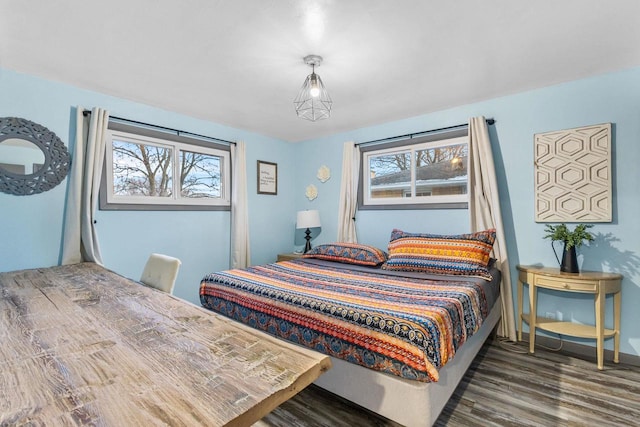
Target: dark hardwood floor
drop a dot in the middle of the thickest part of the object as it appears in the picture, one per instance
(505, 386)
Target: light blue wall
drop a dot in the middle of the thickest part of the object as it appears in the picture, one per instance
(611, 98)
(31, 226)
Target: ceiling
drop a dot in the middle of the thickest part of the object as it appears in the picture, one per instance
(239, 63)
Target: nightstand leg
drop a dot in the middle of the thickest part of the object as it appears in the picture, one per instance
(520, 286)
(532, 316)
(600, 300)
(617, 304)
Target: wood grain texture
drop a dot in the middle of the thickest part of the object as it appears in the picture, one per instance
(84, 346)
(501, 388)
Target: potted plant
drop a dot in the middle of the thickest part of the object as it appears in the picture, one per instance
(572, 240)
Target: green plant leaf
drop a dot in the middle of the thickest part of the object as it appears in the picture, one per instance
(570, 238)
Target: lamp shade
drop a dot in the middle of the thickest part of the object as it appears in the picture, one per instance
(308, 219)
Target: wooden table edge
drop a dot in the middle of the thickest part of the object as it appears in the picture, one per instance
(322, 365)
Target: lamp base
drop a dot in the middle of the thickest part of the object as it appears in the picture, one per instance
(307, 246)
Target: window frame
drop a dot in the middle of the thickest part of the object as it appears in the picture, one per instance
(430, 141)
(178, 143)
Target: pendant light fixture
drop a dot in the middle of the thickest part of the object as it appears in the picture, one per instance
(313, 101)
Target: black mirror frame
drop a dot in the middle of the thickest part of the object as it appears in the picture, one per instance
(56, 158)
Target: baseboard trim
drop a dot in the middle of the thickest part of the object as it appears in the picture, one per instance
(582, 351)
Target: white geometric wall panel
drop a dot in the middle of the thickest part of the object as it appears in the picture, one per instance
(572, 174)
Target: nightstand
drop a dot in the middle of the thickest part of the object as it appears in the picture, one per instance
(289, 256)
(590, 282)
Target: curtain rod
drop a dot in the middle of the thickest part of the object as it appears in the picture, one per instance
(411, 135)
(177, 131)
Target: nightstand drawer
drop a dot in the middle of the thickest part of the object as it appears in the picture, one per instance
(566, 284)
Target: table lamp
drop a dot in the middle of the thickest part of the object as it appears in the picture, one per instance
(308, 219)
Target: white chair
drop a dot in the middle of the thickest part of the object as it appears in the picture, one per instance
(160, 272)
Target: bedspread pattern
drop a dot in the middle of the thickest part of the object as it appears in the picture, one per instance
(404, 326)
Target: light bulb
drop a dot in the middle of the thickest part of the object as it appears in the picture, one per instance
(315, 89)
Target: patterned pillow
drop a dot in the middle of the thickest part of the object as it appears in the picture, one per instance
(350, 253)
(462, 254)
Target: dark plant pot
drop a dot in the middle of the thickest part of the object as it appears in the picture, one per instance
(569, 262)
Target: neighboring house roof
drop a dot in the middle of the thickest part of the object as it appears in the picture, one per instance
(440, 171)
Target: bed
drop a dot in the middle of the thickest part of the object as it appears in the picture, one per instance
(392, 334)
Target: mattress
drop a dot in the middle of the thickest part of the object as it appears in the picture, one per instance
(401, 323)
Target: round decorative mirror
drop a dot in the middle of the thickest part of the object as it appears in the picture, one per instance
(32, 158)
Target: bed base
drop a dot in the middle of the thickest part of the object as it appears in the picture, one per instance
(410, 403)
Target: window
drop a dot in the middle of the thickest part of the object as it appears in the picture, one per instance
(148, 170)
(420, 173)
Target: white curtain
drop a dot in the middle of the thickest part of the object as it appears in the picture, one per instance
(80, 240)
(484, 213)
(240, 252)
(348, 193)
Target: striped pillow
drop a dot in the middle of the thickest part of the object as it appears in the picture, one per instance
(350, 253)
(462, 254)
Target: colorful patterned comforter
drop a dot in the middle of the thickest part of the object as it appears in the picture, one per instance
(406, 326)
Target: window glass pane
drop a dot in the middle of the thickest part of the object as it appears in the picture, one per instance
(199, 175)
(390, 175)
(141, 169)
(441, 171)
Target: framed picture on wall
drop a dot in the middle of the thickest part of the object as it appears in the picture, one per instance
(267, 178)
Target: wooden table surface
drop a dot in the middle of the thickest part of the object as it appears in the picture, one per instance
(81, 345)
